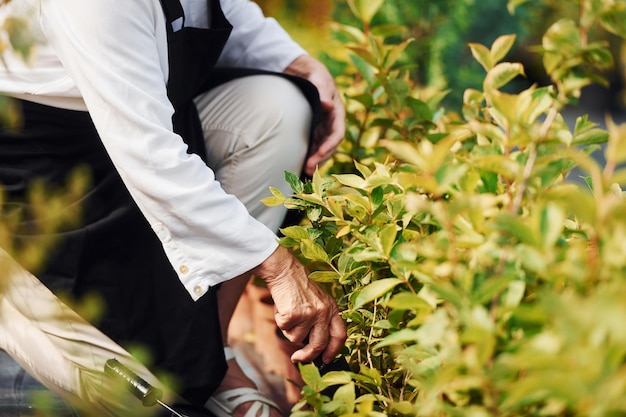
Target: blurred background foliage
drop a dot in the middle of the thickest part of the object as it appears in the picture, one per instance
(439, 57)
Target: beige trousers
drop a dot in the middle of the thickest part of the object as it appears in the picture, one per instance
(256, 128)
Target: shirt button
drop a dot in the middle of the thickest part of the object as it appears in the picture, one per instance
(184, 269)
(198, 290)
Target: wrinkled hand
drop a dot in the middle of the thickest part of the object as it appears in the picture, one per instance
(329, 133)
(302, 308)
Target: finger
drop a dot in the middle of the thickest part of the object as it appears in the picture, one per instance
(295, 332)
(318, 340)
(328, 136)
(337, 338)
(328, 104)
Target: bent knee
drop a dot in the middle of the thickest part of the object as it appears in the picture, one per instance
(282, 111)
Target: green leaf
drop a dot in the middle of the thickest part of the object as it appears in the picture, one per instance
(21, 36)
(324, 276)
(562, 37)
(365, 54)
(483, 55)
(273, 201)
(295, 232)
(408, 301)
(378, 196)
(335, 206)
(449, 174)
(513, 4)
(317, 183)
(577, 199)
(420, 109)
(294, 182)
(351, 180)
(405, 152)
(395, 53)
(551, 224)
(363, 169)
(372, 374)
(347, 395)
(541, 102)
(336, 378)
(516, 227)
(491, 288)
(404, 407)
(613, 19)
(314, 213)
(365, 99)
(365, 69)
(501, 74)
(387, 236)
(313, 251)
(499, 164)
(515, 294)
(616, 148)
(331, 407)
(365, 9)
(310, 375)
(404, 336)
(532, 258)
(501, 46)
(375, 290)
(354, 34)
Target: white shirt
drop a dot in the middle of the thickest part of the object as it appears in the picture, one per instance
(110, 57)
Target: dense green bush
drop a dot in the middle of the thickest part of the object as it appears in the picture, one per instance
(476, 280)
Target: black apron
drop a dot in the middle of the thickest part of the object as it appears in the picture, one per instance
(115, 254)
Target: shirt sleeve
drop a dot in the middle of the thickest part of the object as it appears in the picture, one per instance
(256, 41)
(110, 49)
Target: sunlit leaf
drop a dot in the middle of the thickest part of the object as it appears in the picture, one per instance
(501, 74)
(490, 288)
(365, 9)
(408, 301)
(515, 294)
(517, 228)
(562, 36)
(310, 375)
(375, 290)
(483, 55)
(405, 151)
(501, 46)
(346, 395)
(532, 258)
(273, 201)
(616, 148)
(587, 133)
(313, 251)
(387, 237)
(551, 224)
(351, 32)
(399, 337)
(613, 19)
(395, 53)
(352, 180)
(295, 232)
(514, 4)
(324, 276)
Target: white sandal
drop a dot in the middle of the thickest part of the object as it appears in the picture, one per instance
(225, 403)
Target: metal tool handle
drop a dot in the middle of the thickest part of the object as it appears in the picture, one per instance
(148, 394)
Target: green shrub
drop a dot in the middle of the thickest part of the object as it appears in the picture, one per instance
(475, 278)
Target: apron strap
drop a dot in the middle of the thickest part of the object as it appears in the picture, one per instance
(174, 14)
